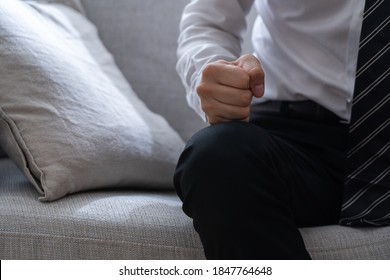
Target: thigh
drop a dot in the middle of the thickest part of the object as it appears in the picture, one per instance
(299, 162)
(231, 178)
(249, 186)
(311, 164)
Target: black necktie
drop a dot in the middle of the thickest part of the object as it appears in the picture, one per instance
(367, 188)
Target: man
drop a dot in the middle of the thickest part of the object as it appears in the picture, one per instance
(274, 156)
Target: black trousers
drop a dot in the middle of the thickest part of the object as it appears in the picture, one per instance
(249, 186)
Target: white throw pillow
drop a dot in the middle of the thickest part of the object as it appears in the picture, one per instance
(68, 117)
(75, 4)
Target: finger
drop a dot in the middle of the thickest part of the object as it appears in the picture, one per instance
(252, 66)
(256, 81)
(226, 74)
(215, 109)
(225, 94)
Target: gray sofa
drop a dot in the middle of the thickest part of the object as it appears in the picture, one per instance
(130, 223)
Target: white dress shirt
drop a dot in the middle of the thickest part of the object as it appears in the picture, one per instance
(308, 48)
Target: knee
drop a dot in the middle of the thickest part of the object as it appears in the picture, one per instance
(224, 144)
(220, 151)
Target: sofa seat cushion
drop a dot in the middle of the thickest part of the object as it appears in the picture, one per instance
(345, 243)
(118, 224)
(112, 224)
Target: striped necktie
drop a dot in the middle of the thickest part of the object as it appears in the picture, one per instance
(366, 198)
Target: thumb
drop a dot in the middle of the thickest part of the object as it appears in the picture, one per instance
(252, 66)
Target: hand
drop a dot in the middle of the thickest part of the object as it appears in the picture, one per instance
(226, 88)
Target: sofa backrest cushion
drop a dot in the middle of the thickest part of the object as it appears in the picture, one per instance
(142, 36)
(68, 117)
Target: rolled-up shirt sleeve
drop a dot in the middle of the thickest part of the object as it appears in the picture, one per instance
(209, 30)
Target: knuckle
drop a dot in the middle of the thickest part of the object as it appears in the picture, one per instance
(206, 107)
(202, 89)
(257, 72)
(245, 79)
(244, 112)
(246, 98)
(210, 69)
(220, 61)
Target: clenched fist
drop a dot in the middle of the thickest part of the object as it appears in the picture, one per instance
(226, 88)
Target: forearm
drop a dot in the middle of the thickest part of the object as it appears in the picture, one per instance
(209, 30)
